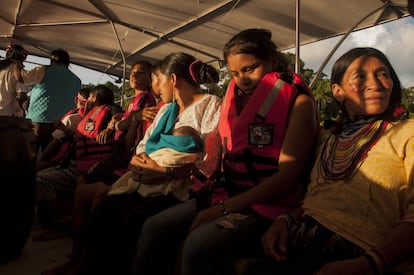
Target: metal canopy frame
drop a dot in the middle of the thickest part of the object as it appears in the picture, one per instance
(110, 35)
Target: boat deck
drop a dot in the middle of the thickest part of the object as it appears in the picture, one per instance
(38, 256)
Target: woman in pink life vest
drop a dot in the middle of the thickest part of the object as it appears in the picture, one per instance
(268, 126)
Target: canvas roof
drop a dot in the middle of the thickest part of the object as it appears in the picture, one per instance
(110, 35)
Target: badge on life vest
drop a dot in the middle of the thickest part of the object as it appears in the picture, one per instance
(260, 134)
(89, 125)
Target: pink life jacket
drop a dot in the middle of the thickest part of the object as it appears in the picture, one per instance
(139, 135)
(139, 102)
(252, 140)
(88, 150)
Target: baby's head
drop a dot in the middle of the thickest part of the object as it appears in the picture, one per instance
(186, 131)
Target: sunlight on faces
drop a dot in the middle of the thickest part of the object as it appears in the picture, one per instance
(247, 70)
(366, 87)
(166, 88)
(139, 78)
(155, 83)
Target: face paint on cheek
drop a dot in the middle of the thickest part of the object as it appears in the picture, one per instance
(354, 88)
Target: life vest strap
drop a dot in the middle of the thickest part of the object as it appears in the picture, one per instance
(249, 160)
(248, 157)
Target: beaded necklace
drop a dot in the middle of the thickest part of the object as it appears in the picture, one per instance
(344, 152)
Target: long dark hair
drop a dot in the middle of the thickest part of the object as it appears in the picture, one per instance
(342, 64)
(185, 66)
(13, 53)
(104, 95)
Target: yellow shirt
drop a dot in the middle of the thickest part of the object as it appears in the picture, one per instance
(366, 207)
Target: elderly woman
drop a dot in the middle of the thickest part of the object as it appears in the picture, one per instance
(358, 214)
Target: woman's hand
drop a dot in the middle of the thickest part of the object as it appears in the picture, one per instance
(116, 117)
(358, 265)
(146, 170)
(275, 240)
(147, 114)
(62, 127)
(59, 125)
(105, 136)
(206, 216)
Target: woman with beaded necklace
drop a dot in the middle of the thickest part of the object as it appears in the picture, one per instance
(358, 213)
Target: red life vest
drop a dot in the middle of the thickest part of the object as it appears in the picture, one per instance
(63, 150)
(88, 150)
(252, 141)
(140, 101)
(235, 130)
(73, 111)
(140, 134)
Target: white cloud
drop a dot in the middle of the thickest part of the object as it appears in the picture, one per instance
(395, 39)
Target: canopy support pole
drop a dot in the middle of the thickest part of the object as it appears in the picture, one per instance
(121, 50)
(98, 5)
(339, 43)
(297, 46)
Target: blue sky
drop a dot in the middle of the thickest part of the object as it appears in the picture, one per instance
(395, 39)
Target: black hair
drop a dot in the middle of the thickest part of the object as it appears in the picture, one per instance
(185, 66)
(13, 53)
(16, 52)
(156, 67)
(342, 63)
(257, 42)
(60, 56)
(85, 92)
(145, 64)
(104, 95)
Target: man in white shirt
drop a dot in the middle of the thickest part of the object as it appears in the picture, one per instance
(12, 92)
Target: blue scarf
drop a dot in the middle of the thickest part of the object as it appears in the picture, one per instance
(185, 144)
(162, 138)
(164, 126)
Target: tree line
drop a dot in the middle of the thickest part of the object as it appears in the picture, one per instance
(327, 106)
